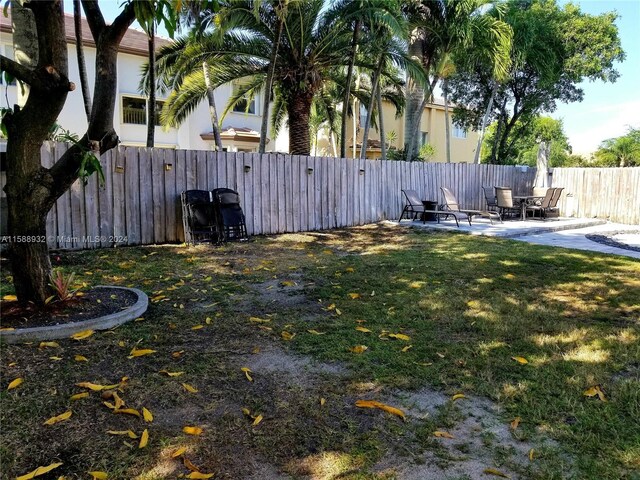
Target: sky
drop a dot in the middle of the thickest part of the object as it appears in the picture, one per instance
(607, 110)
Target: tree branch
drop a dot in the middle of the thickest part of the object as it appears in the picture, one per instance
(45, 79)
(122, 23)
(94, 18)
(21, 72)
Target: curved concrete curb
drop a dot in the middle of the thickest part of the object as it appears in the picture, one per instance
(105, 322)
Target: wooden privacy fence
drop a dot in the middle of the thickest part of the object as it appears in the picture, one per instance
(139, 202)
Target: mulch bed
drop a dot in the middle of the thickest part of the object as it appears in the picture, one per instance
(91, 304)
(607, 239)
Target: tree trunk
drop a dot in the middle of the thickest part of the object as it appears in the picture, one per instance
(414, 95)
(299, 111)
(347, 91)
(82, 67)
(383, 140)
(417, 122)
(269, 83)
(213, 112)
(151, 100)
(447, 126)
(485, 120)
(25, 43)
(375, 81)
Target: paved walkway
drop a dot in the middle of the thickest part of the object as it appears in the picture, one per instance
(565, 233)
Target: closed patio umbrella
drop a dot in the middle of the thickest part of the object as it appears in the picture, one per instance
(542, 165)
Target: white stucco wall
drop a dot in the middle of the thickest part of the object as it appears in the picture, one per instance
(187, 136)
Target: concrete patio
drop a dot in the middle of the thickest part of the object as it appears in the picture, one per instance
(564, 233)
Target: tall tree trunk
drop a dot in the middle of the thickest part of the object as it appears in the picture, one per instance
(269, 83)
(299, 111)
(213, 112)
(414, 97)
(412, 151)
(347, 91)
(447, 123)
(485, 120)
(375, 81)
(334, 147)
(25, 43)
(82, 67)
(151, 100)
(32, 189)
(383, 140)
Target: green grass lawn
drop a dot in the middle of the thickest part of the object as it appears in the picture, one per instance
(466, 305)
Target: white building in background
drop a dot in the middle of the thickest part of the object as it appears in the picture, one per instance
(240, 130)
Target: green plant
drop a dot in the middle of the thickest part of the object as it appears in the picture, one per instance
(426, 152)
(61, 284)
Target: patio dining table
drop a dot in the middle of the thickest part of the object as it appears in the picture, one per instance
(525, 200)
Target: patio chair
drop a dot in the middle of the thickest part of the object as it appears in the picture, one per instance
(199, 217)
(490, 197)
(542, 205)
(554, 211)
(414, 204)
(504, 199)
(452, 204)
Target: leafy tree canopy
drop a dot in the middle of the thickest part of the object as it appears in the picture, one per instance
(621, 151)
(554, 49)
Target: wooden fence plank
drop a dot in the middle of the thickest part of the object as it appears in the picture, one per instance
(106, 198)
(181, 186)
(119, 182)
(140, 215)
(156, 160)
(172, 197)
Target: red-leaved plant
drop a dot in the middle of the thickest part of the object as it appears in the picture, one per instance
(61, 284)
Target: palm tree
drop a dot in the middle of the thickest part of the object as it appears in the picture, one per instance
(449, 29)
(82, 66)
(315, 41)
(620, 151)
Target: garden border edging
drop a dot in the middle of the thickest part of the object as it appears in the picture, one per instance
(56, 332)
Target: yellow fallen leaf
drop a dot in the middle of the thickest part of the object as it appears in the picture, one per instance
(407, 348)
(441, 434)
(144, 439)
(322, 401)
(178, 452)
(400, 336)
(381, 406)
(287, 283)
(315, 332)
(515, 422)
(595, 391)
(258, 320)
(287, 335)
(96, 475)
(207, 320)
(15, 383)
(57, 359)
(48, 345)
(121, 343)
(353, 296)
(177, 354)
(199, 475)
(7, 329)
(96, 387)
(187, 463)
(78, 396)
(359, 349)
(38, 471)
(441, 355)
(257, 420)
(119, 402)
(189, 388)
(48, 300)
(147, 415)
(458, 396)
(171, 374)
(80, 358)
(497, 473)
(246, 411)
(140, 352)
(520, 360)
(192, 430)
(10, 298)
(59, 418)
(83, 334)
(128, 411)
(362, 329)
(531, 452)
(349, 269)
(331, 307)
(128, 433)
(338, 312)
(197, 327)
(246, 371)
(109, 405)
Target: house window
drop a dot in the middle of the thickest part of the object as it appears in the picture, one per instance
(244, 105)
(424, 138)
(9, 54)
(363, 115)
(459, 132)
(134, 110)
